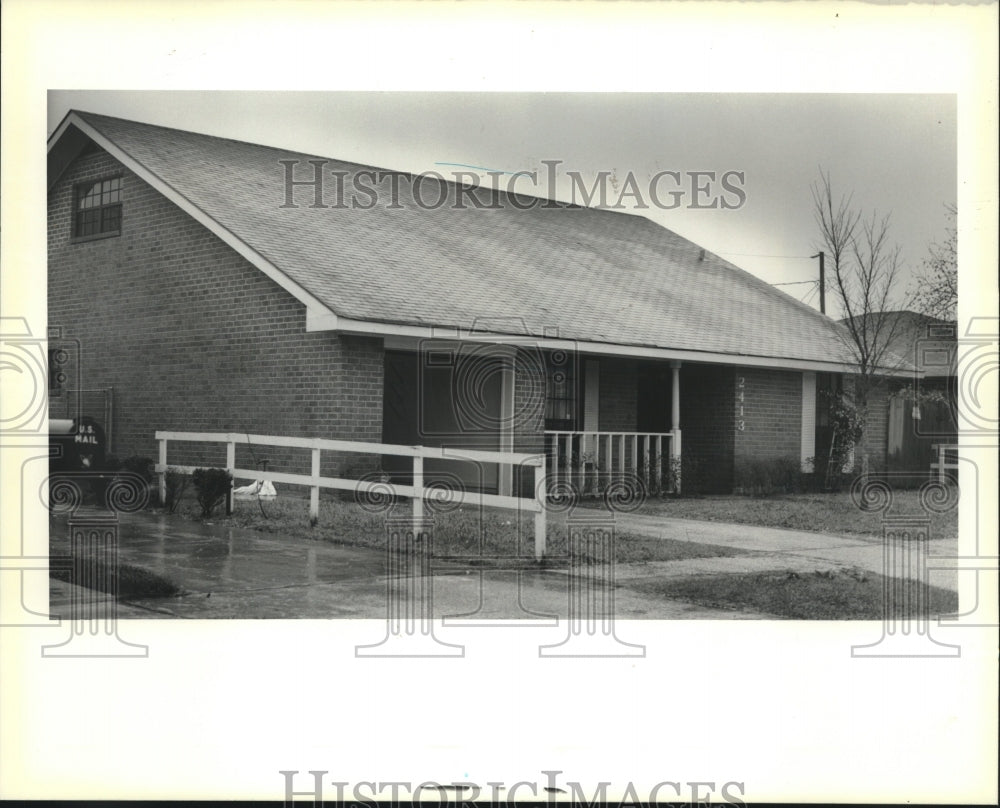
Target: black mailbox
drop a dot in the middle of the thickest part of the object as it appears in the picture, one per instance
(76, 445)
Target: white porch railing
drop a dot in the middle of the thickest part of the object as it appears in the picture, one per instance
(417, 491)
(589, 461)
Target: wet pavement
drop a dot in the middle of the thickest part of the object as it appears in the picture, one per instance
(227, 572)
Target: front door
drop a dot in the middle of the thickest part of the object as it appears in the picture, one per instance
(449, 397)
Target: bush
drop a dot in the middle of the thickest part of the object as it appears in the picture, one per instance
(143, 466)
(777, 475)
(175, 483)
(212, 486)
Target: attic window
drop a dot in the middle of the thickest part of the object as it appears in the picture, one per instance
(97, 208)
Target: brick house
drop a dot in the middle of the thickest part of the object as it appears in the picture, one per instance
(915, 428)
(216, 285)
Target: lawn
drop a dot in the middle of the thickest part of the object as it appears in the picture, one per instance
(833, 513)
(833, 595)
(132, 582)
(466, 532)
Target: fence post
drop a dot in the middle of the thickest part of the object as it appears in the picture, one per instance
(418, 491)
(314, 491)
(230, 467)
(163, 474)
(676, 458)
(540, 498)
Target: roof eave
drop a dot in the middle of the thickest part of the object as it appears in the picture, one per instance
(409, 335)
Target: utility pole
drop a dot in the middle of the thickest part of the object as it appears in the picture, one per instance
(822, 280)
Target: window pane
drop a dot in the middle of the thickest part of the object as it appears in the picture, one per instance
(112, 219)
(98, 207)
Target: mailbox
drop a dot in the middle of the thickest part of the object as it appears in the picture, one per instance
(76, 445)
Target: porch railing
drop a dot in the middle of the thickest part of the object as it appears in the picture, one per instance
(590, 461)
(418, 491)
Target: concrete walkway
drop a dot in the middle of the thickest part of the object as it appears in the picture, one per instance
(772, 549)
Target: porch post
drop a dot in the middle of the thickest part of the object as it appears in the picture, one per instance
(675, 395)
(675, 421)
(505, 478)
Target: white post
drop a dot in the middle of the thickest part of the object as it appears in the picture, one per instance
(418, 493)
(540, 498)
(658, 468)
(230, 467)
(163, 474)
(505, 471)
(675, 396)
(314, 490)
(675, 422)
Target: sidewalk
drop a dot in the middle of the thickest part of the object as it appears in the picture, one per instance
(772, 548)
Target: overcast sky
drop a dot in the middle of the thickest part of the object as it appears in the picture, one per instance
(894, 153)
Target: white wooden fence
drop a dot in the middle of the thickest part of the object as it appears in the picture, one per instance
(947, 460)
(417, 491)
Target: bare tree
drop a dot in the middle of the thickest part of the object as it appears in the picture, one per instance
(937, 283)
(864, 270)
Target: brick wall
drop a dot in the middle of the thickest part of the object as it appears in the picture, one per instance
(193, 337)
(771, 416)
(617, 394)
(707, 427)
(875, 439)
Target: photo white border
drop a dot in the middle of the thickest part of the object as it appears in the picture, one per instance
(220, 707)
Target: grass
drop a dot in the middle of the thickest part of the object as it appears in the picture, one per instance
(466, 532)
(133, 582)
(833, 595)
(833, 513)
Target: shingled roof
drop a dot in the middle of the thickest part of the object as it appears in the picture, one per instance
(587, 274)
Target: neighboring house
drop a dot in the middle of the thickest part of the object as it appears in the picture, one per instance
(211, 300)
(918, 423)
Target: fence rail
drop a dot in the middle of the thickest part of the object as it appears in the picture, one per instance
(417, 492)
(587, 460)
(947, 460)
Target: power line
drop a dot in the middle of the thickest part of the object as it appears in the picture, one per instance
(809, 295)
(763, 255)
(791, 283)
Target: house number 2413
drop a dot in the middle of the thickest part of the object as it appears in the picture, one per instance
(740, 385)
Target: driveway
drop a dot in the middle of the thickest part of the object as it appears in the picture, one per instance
(228, 572)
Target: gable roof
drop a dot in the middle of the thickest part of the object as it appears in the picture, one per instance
(614, 281)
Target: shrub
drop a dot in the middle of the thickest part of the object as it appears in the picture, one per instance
(175, 483)
(143, 466)
(768, 476)
(212, 486)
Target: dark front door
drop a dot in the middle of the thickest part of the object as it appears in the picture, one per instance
(447, 398)
(653, 405)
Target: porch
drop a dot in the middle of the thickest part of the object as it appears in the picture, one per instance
(600, 421)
